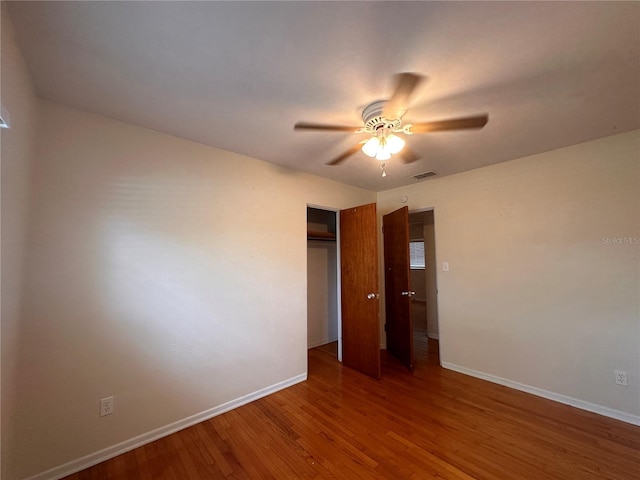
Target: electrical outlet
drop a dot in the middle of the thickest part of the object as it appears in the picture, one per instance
(106, 406)
(621, 377)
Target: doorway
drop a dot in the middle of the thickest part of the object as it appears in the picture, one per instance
(356, 287)
(323, 313)
(424, 305)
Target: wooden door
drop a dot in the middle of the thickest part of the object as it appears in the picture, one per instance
(397, 281)
(359, 287)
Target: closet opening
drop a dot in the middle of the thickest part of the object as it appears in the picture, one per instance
(323, 296)
(424, 305)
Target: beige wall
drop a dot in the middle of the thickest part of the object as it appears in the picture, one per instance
(534, 295)
(17, 146)
(137, 285)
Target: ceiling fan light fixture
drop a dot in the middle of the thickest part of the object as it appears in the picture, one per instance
(382, 147)
(394, 143)
(371, 147)
(383, 154)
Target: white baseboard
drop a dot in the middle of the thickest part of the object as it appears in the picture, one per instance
(318, 343)
(105, 454)
(574, 402)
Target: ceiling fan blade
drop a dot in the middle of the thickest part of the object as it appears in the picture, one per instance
(320, 126)
(477, 121)
(408, 155)
(343, 156)
(405, 85)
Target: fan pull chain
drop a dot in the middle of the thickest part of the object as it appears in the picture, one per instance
(384, 173)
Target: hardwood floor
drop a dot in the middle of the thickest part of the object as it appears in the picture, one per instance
(432, 423)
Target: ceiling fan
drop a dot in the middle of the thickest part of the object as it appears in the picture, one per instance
(382, 120)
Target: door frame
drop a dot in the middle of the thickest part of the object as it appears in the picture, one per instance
(432, 209)
(397, 283)
(338, 271)
(380, 267)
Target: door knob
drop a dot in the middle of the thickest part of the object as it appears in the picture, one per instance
(371, 296)
(408, 294)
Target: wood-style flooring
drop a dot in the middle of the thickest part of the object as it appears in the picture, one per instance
(432, 423)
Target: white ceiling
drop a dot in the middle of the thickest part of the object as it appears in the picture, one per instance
(238, 75)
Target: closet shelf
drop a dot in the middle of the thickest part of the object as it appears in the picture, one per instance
(327, 236)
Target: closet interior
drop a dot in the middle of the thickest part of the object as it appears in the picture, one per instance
(322, 278)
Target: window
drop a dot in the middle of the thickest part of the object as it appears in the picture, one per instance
(416, 255)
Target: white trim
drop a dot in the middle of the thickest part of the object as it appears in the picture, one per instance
(557, 397)
(319, 343)
(92, 459)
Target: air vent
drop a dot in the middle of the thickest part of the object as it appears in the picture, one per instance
(420, 176)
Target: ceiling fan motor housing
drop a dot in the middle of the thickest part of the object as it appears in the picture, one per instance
(374, 122)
